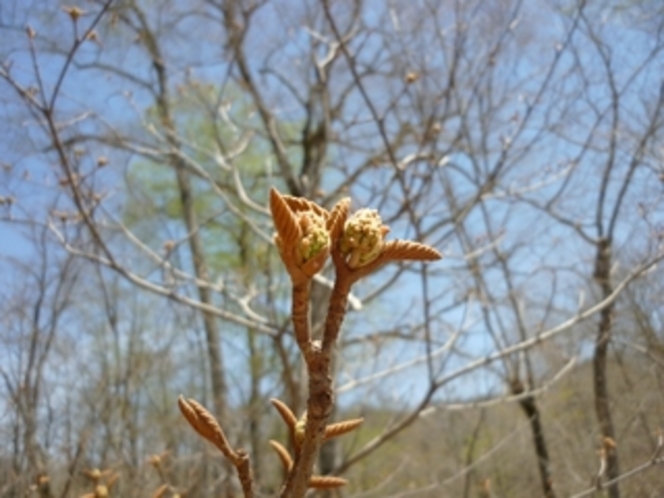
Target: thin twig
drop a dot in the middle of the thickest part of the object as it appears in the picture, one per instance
(655, 459)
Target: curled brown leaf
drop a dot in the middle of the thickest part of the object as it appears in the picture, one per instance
(283, 454)
(297, 204)
(288, 230)
(402, 250)
(286, 413)
(337, 218)
(204, 423)
(326, 482)
(339, 428)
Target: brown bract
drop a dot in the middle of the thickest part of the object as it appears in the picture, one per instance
(285, 412)
(339, 428)
(315, 482)
(408, 250)
(359, 247)
(204, 423)
(337, 218)
(390, 251)
(296, 427)
(326, 482)
(302, 235)
(306, 233)
(283, 454)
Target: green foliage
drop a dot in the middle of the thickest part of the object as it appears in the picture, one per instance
(154, 208)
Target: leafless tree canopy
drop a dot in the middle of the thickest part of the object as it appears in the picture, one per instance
(522, 140)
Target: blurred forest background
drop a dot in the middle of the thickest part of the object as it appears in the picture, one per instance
(524, 140)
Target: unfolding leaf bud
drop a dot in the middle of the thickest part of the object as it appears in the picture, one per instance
(362, 238)
(74, 12)
(300, 430)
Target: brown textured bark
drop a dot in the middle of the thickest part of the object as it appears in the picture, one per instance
(320, 299)
(602, 406)
(319, 407)
(327, 457)
(321, 394)
(529, 404)
(530, 408)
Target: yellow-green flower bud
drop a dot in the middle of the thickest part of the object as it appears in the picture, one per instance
(315, 237)
(362, 238)
(299, 430)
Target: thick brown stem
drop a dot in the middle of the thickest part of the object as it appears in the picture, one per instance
(300, 316)
(320, 301)
(328, 452)
(321, 395)
(319, 407)
(336, 311)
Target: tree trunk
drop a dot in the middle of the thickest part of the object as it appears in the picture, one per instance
(602, 275)
(217, 378)
(530, 408)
